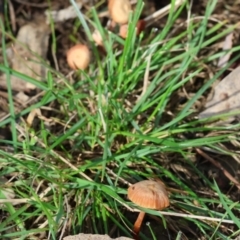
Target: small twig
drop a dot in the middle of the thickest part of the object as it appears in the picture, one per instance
(12, 16)
(103, 121)
(68, 209)
(218, 165)
(55, 59)
(146, 77)
(118, 177)
(161, 13)
(192, 216)
(15, 201)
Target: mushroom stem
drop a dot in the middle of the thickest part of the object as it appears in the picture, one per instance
(137, 225)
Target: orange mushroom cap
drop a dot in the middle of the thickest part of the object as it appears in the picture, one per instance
(78, 57)
(149, 194)
(124, 28)
(119, 10)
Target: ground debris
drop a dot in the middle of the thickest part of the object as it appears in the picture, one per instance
(83, 236)
(225, 96)
(63, 14)
(26, 56)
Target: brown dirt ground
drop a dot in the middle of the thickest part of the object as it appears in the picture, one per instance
(24, 11)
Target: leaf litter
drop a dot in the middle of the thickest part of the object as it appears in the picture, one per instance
(225, 97)
(93, 237)
(29, 51)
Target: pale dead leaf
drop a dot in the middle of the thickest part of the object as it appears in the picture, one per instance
(83, 236)
(225, 97)
(22, 97)
(62, 14)
(227, 45)
(32, 115)
(97, 38)
(25, 56)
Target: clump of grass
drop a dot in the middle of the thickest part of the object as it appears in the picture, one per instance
(123, 120)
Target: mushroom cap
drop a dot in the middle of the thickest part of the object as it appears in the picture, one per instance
(119, 10)
(149, 194)
(78, 57)
(123, 30)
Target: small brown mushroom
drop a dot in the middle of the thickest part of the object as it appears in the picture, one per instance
(147, 194)
(78, 57)
(123, 30)
(119, 10)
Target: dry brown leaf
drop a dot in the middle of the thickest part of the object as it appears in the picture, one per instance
(83, 236)
(225, 97)
(4, 104)
(25, 56)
